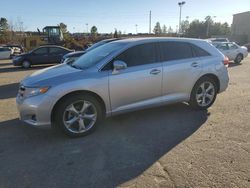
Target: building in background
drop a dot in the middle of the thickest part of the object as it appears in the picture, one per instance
(240, 29)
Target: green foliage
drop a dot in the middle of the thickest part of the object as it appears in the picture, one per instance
(63, 28)
(3, 29)
(164, 29)
(93, 30)
(157, 28)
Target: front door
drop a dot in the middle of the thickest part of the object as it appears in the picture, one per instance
(138, 85)
(39, 56)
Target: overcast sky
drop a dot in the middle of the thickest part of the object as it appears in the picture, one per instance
(110, 14)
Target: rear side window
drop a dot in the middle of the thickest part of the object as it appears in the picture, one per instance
(175, 51)
(41, 51)
(199, 52)
(56, 50)
(139, 55)
(4, 49)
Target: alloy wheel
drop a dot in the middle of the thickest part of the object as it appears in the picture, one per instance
(205, 94)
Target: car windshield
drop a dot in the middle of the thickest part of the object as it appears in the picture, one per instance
(96, 45)
(96, 55)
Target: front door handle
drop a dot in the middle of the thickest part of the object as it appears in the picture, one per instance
(155, 71)
(195, 64)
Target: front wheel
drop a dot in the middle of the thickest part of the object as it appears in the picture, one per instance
(78, 115)
(26, 64)
(203, 94)
(238, 58)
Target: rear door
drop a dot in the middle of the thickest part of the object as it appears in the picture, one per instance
(140, 83)
(180, 70)
(56, 54)
(39, 56)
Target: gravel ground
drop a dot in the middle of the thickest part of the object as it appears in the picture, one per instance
(171, 146)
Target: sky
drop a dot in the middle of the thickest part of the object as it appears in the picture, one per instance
(123, 15)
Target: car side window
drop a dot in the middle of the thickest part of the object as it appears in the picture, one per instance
(41, 51)
(56, 50)
(222, 46)
(232, 46)
(175, 51)
(139, 55)
(199, 52)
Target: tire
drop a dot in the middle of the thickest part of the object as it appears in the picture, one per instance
(72, 121)
(202, 99)
(238, 58)
(26, 64)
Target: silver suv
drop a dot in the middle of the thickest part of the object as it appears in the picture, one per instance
(122, 76)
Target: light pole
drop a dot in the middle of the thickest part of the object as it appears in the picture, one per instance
(136, 28)
(180, 5)
(87, 27)
(208, 24)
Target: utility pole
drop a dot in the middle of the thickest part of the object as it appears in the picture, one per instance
(87, 27)
(180, 4)
(150, 22)
(208, 25)
(136, 28)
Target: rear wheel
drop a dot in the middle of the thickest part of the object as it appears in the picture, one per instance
(78, 115)
(238, 58)
(26, 64)
(203, 94)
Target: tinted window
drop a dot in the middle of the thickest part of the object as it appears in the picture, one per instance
(4, 49)
(199, 52)
(139, 55)
(175, 50)
(40, 51)
(56, 50)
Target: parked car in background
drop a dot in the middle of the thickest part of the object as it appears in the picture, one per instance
(122, 76)
(233, 51)
(247, 46)
(43, 55)
(5, 53)
(71, 57)
(15, 49)
(219, 40)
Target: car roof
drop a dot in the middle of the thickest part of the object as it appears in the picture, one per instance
(157, 39)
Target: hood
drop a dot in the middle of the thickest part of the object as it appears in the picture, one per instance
(51, 76)
(74, 54)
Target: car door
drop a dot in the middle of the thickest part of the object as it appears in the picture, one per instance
(180, 70)
(39, 56)
(138, 85)
(55, 54)
(233, 50)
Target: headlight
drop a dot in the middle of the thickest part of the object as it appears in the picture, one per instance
(29, 92)
(17, 58)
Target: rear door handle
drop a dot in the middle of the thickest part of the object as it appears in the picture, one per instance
(195, 64)
(155, 71)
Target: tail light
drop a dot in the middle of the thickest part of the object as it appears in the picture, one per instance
(226, 61)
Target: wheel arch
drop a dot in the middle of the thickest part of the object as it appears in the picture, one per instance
(213, 77)
(83, 92)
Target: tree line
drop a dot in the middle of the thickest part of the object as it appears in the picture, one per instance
(196, 29)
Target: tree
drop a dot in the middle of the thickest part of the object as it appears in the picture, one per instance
(164, 29)
(157, 28)
(170, 30)
(116, 34)
(3, 29)
(93, 30)
(184, 26)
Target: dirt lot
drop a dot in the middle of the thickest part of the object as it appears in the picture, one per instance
(171, 146)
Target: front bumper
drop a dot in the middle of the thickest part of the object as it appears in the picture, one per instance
(35, 110)
(17, 62)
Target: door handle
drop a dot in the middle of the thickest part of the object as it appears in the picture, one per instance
(155, 71)
(195, 64)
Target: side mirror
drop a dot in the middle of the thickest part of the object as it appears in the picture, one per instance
(119, 65)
